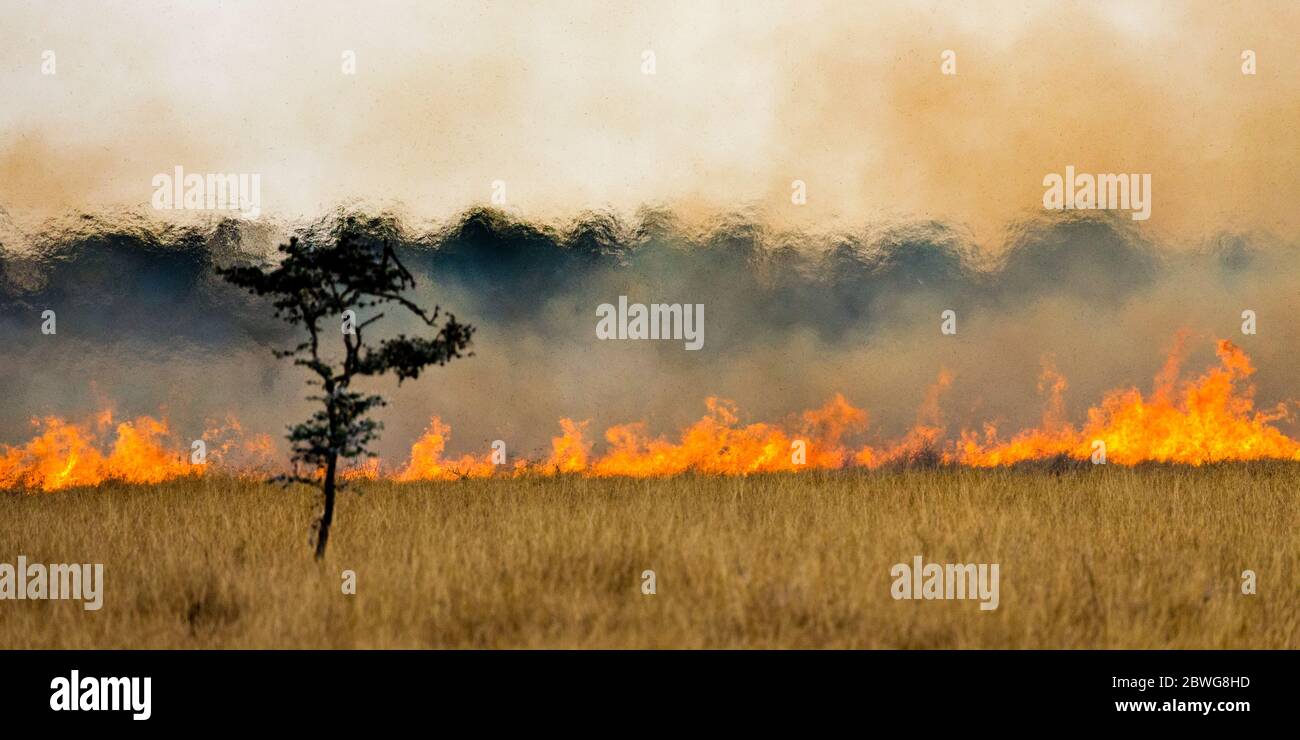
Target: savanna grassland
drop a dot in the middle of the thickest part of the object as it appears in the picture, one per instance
(1096, 557)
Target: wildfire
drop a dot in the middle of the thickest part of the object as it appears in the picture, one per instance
(142, 450)
(1205, 419)
(426, 458)
(718, 444)
(64, 455)
(1194, 422)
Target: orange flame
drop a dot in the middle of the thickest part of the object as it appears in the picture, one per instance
(426, 461)
(64, 455)
(1207, 419)
(717, 444)
(230, 446)
(1200, 421)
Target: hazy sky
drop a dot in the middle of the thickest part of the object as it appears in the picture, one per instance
(551, 98)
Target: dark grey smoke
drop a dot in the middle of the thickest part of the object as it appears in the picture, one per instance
(790, 318)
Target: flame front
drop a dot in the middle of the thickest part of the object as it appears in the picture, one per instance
(1210, 418)
(64, 455)
(1201, 421)
(426, 461)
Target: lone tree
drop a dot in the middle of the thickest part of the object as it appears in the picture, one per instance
(323, 289)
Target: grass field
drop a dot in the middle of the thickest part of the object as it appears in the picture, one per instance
(1097, 557)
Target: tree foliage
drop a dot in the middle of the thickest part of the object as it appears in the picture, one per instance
(327, 290)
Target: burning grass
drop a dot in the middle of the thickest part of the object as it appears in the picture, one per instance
(1205, 419)
(1092, 556)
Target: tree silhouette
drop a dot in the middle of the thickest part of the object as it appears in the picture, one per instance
(323, 289)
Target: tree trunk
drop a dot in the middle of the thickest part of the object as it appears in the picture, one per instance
(326, 517)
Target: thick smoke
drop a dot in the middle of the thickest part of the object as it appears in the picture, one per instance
(146, 327)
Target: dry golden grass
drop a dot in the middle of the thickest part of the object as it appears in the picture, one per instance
(1107, 557)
